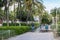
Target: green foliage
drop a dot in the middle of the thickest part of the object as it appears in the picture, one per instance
(11, 16)
(1, 3)
(53, 26)
(46, 18)
(36, 25)
(4, 2)
(58, 22)
(56, 12)
(58, 31)
(6, 34)
(44, 21)
(16, 24)
(18, 30)
(22, 30)
(53, 12)
(22, 24)
(23, 15)
(1, 13)
(11, 24)
(11, 31)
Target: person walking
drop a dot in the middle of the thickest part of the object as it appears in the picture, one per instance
(46, 27)
(32, 27)
(42, 27)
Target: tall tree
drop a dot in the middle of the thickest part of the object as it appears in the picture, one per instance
(58, 12)
(53, 12)
(33, 5)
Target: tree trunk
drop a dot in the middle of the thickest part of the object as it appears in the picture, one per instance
(7, 11)
(8, 2)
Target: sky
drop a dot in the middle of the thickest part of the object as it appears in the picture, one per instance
(50, 4)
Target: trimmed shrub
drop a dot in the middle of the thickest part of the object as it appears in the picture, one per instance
(11, 24)
(4, 24)
(18, 30)
(6, 33)
(22, 24)
(53, 26)
(58, 31)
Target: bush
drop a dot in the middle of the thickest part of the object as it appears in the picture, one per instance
(18, 30)
(59, 22)
(16, 24)
(53, 26)
(6, 33)
(46, 21)
(22, 24)
(11, 24)
(4, 24)
(58, 31)
(36, 25)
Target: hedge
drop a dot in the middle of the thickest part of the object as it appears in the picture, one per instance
(22, 24)
(6, 34)
(18, 30)
(14, 30)
(11, 24)
(58, 31)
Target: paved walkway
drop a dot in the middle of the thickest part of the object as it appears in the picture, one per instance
(34, 36)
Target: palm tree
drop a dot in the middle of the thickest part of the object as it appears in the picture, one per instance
(33, 4)
(29, 6)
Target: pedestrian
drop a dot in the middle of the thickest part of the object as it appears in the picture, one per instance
(32, 27)
(42, 27)
(46, 27)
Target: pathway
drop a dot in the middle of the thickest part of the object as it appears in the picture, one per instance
(34, 36)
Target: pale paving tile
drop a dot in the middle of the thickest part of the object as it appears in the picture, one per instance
(34, 36)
